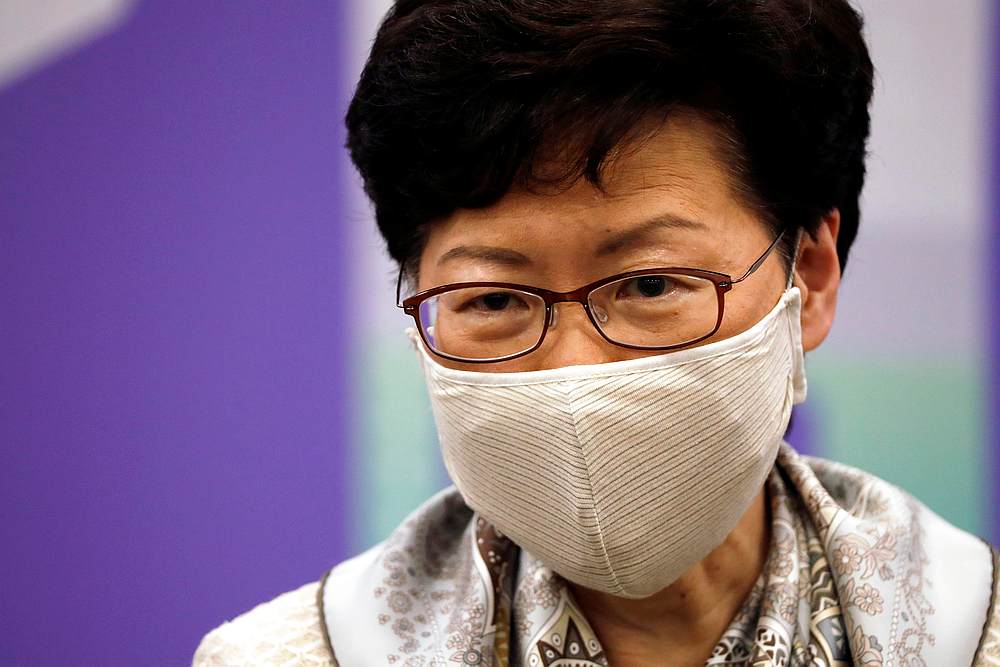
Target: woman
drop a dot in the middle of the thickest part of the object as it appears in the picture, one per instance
(619, 227)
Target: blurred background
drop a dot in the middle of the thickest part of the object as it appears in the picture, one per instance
(206, 397)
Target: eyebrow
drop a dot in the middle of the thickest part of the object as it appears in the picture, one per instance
(618, 242)
(485, 254)
(641, 233)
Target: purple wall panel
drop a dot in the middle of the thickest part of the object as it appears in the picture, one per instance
(173, 434)
(801, 433)
(990, 294)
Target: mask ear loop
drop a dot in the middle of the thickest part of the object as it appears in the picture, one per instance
(795, 257)
(799, 384)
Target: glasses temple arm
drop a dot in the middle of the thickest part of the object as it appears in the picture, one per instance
(762, 258)
(399, 286)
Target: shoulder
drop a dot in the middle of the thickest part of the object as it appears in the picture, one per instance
(345, 609)
(403, 596)
(859, 502)
(287, 630)
(941, 579)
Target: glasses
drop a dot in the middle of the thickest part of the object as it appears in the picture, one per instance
(649, 309)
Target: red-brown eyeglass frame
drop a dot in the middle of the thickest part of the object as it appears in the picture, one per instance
(722, 282)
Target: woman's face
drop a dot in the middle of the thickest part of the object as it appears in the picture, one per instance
(669, 202)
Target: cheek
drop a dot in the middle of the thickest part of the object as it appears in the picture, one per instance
(747, 303)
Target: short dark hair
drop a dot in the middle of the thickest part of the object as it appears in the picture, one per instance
(459, 97)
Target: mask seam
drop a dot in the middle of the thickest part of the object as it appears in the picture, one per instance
(593, 503)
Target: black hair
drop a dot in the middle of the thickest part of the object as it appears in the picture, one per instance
(459, 97)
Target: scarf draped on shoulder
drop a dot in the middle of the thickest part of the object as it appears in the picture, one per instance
(858, 573)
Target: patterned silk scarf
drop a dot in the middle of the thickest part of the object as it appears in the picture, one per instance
(858, 573)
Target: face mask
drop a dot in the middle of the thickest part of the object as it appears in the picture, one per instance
(620, 476)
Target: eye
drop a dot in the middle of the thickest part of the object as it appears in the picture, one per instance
(479, 301)
(495, 301)
(487, 303)
(651, 285)
(647, 287)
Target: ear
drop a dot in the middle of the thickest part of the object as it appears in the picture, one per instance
(817, 275)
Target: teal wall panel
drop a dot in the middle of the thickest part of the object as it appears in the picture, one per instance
(917, 425)
(399, 462)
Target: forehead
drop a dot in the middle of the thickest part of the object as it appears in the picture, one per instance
(681, 170)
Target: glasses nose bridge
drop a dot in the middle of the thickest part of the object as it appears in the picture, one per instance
(579, 296)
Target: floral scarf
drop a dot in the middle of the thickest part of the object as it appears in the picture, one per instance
(858, 573)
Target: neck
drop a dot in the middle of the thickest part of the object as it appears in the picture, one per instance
(686, 619)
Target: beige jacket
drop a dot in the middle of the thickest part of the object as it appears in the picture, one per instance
(287, 632)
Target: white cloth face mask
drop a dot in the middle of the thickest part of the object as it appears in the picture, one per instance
(620, 476)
